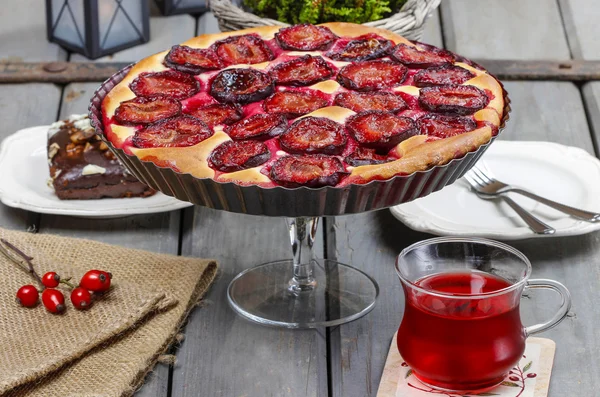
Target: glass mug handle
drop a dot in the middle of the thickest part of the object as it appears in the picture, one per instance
(562, 311)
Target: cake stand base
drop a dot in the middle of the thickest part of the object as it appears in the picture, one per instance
(267, 294)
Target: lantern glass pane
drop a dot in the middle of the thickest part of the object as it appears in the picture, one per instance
(68, 21)
(120, 22)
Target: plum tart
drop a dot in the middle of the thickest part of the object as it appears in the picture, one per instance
(308, 105)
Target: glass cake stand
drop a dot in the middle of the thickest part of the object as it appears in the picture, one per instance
(303, 292)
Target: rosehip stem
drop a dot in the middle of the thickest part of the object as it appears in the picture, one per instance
(67, 283)
(25, 262)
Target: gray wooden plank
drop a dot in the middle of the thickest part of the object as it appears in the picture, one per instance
(164, 32)
(207, 23)
(542, 111)
(547, 111)
(225, 355)
(155, 232)
(509, 29)
(581, 24)
(433, 30)
(591, 96)
(23, 34)
(22, 106)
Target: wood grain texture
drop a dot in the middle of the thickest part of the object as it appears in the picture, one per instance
(68, 72)
(225, 355)
(591, 97)
(207, 23)
(23, 33)
(542, 111)
(547, 111)
(507, 29)
(433, 30)
(22, 106)
(164, 32)
(581, 24)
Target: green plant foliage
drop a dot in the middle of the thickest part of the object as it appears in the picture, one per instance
(318, 11)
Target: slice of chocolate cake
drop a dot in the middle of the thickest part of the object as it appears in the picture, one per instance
(82, 167)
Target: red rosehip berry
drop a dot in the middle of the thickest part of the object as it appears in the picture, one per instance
(28, 296)
(514, 378)
(96, 281)
(53, 300)
(532, 375)
(51, 280)
(81, 298)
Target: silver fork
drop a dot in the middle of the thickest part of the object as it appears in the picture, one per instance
(494, 186)
(480, 187)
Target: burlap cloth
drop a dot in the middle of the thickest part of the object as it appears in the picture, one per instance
(108, 349)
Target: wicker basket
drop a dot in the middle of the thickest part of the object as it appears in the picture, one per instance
(408, 22)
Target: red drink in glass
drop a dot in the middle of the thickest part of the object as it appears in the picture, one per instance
(460, 342)
(461, 331)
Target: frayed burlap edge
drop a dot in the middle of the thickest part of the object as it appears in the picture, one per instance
(201, 289)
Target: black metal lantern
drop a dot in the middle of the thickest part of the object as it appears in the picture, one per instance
(172, 7)
(96, 28)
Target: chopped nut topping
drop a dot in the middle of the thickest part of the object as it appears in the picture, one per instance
(80, 136)
(92, 169)
(52, 150)
(75, 117)
(103, 146)
(74, 150)
(88, 147)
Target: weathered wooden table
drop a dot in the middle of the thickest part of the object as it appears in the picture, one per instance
(224, 355)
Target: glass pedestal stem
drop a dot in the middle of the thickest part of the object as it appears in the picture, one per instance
(302, 237)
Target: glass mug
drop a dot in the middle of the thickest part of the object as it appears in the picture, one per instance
(461, 330)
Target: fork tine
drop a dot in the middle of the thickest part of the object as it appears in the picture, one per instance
(475, 175)
(482, 176)
(482, 165)
(472, 181)
(485, 168)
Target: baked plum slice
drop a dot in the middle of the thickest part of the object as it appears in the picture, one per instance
(303, 71)
(365, 101)
(442, 75)
(180, 131)
(293, 104)
(218, 113)
(170, 83)
(305, 37)
(380, 130)
(234, 156)
(365, 156)
(444, 126)
(244, 49)
(372, 75)
(363, 48)
(314, 171)
(142, 110)
(414, 57)
(241, 86)
(314, 135)
(260, 126)
(192, 60)
(456, 99)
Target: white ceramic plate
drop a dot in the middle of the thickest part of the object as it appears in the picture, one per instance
(23, 183)
(565, 174)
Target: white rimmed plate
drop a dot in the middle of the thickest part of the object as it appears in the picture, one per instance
(565, 174)
(24, 179)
